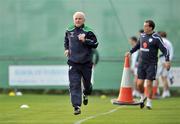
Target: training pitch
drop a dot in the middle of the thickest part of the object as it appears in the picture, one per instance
(56, 109)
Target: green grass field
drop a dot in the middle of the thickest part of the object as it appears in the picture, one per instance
(56, 109)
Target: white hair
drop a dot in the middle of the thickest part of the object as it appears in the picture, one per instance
(79, 13)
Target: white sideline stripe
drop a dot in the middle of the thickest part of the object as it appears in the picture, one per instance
(97, 115)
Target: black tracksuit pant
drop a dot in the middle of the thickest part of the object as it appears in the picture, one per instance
(79, 73)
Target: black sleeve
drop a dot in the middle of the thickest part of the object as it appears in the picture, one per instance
(135, 48)
(163, 49)
(66, 41)
(90, 40)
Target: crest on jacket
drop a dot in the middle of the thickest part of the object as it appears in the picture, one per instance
(71, 34)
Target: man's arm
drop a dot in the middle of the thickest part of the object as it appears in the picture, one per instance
(163, 48)
(91, 40)
(66, 45)
(135, 48)
(66, 41)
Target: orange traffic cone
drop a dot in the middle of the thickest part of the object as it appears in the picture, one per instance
(125, 95)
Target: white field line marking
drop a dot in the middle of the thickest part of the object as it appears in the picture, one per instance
(97, 115)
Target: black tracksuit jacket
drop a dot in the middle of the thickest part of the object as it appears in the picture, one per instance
(149, 44)
(80, 52)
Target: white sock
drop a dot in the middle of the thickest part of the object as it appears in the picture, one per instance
(149, 102)
(142, 96)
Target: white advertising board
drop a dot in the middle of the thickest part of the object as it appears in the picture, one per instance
(32, 75)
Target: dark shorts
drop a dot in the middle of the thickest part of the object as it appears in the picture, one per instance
(147, 71)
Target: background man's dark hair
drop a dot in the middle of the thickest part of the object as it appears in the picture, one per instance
(134, 38)
(151, 23)
(141, 31)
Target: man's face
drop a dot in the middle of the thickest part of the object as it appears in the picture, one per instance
(78, 20)
(147, 28)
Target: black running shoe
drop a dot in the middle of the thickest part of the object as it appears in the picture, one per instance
(142, 103)
(77, 110)
(85, 99)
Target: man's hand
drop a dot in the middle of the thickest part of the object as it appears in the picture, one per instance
(81, 37)
(66, 53)
(167, 65)
(127, 54)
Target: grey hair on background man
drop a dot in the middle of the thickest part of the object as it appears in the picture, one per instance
(79, 13)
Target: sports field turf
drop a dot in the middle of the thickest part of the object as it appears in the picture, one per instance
(56, 109)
